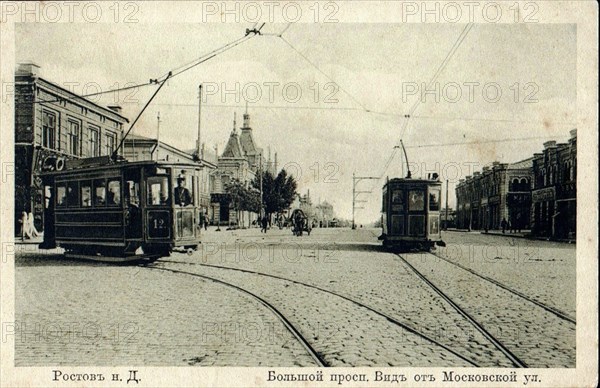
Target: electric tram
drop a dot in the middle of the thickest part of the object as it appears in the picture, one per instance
(411, 214)
(119, 211)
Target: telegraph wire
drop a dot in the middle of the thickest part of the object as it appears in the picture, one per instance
(355, 109)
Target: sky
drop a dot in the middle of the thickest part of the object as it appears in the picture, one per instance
(331, 99)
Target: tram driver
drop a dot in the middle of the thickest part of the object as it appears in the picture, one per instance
(182, 194)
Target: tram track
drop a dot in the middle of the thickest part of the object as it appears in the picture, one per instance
(517, 362)
(346, 298)
(289, 326)
(553, 310)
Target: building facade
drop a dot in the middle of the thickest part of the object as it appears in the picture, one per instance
(554, 194)
(241, 160)
(52, 122)
(499, 192)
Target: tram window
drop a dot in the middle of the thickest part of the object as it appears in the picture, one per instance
(99, 192)
(434, 224)
(398, 200)
(133, 193)
(182, 193)
(61, 196)
(416, 200)
(158, 190)
(184, 189)
(113, 197)
(434, 200)
(86, 194)
(72, 194)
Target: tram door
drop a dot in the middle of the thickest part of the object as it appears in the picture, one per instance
(133, 219)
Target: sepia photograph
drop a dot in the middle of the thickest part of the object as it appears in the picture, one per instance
(292, 193)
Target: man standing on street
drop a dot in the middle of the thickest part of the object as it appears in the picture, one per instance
(503, 224)
(264, 223)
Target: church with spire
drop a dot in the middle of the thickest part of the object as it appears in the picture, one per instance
(241, 160)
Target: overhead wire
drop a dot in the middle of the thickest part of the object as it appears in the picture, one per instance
(173, 73)
(323, 73)
(413, 108)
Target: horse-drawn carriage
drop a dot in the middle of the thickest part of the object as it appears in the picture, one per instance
(300, 223)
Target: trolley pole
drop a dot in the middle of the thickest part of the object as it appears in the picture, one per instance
(355, 193)
(446, 223)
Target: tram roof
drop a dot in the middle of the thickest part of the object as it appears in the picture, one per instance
(411, 181)
(105, 163)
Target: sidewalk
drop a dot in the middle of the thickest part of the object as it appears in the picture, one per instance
(523, 234)
(35, 240)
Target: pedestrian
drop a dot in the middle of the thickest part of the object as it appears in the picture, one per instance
(264, 222)
(503, 224)
(205, 220)
(24, 225)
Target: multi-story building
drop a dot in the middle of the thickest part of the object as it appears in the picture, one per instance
(499, 192)
(51, 121)
(554, 195)
(241, 160)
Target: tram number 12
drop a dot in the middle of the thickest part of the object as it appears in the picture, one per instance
(158, 224)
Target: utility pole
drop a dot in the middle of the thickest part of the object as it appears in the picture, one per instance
(260, 170)
(198, 146)
(355, 193)
(157, 134)
(446, 223)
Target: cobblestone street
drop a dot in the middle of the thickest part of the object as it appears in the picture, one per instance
(353, 302)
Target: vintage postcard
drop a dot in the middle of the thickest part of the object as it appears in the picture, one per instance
(299, 193)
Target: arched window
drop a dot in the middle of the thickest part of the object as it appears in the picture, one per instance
(514, 185)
